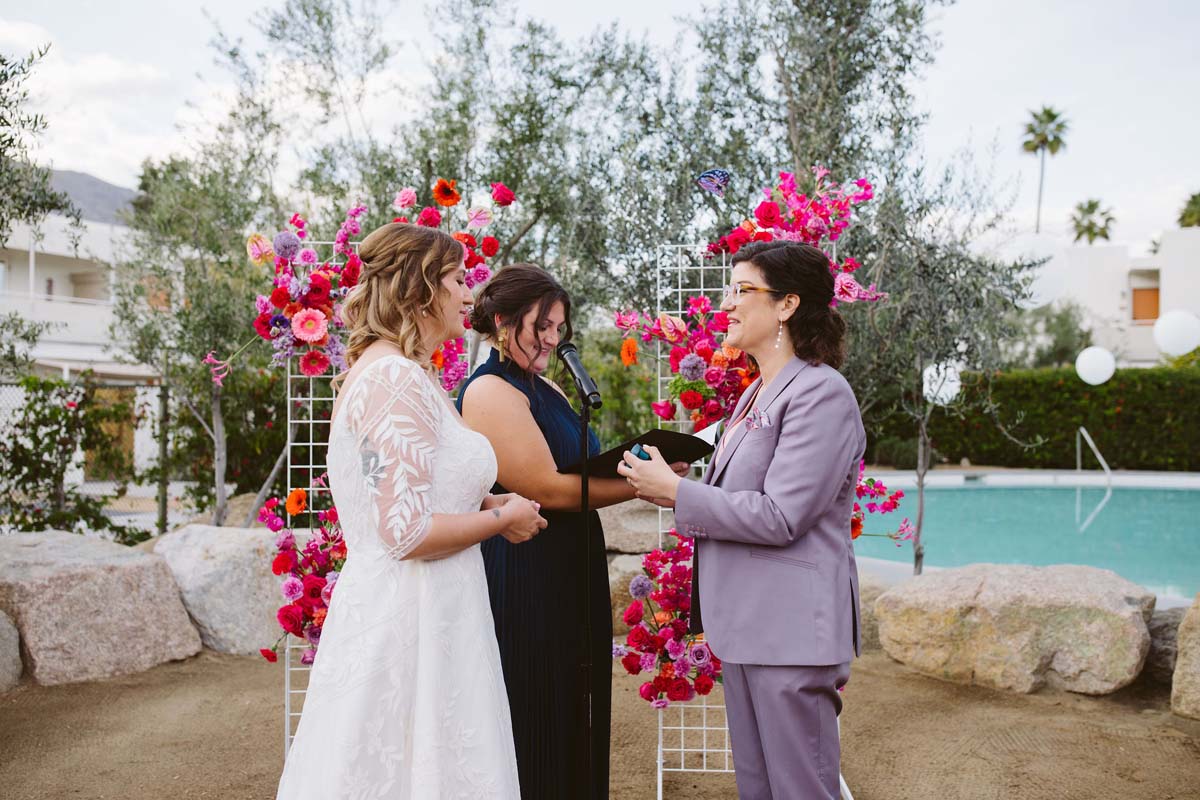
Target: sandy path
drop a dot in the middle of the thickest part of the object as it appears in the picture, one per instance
(210, 727)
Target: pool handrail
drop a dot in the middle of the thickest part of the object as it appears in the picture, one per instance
(1082, 434)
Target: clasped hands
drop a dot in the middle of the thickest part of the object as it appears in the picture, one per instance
(655, 481)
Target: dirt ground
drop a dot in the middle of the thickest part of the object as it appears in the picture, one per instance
(211, 727)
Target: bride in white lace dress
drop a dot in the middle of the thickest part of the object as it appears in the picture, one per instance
(406, 697)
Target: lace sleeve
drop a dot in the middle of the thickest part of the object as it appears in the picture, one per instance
(397, 437)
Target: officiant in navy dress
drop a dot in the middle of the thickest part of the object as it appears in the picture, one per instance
(523, 312)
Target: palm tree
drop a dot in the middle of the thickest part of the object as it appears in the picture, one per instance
(1190, 216)
(1044, 132)
(1092, 221)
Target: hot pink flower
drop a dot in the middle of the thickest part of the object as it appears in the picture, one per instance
(665, 409)
(429, 217)
(502, 194)
(845, 288)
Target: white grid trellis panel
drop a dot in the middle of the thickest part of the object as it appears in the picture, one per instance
(693, 736)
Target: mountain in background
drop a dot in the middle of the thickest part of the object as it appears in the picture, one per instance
(98, 200)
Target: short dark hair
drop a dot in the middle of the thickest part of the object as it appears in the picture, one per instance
(512, 293)
(818, 331)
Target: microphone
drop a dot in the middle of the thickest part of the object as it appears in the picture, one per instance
(588, 393)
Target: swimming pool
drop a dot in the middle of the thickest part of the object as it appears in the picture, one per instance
(1150, 536)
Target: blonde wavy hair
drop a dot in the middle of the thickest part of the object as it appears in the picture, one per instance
(402, 270)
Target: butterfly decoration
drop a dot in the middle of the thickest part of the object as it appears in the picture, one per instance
(714, 180)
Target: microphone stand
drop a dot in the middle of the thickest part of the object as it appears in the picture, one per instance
(586, 664)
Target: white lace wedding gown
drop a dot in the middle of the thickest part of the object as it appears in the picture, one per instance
(406, 697)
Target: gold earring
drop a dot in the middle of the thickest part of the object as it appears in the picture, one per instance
(501, 338)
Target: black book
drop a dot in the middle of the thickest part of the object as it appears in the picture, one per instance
(673, 445)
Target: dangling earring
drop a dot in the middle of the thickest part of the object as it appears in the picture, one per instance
(501, 337)
(779, 336)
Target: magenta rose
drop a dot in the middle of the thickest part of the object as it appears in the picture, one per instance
(291, 619)
(767, 214)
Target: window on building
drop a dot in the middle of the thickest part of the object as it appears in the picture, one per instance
(49, 287)
(1145, 304)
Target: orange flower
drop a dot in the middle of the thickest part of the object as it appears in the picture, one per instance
(439, 358)
(719, 360)
(629, 352)
(319, 616)
(662, 617)
(667, 671)
(297, 501)
(444, 193)
(292, 309)
(856, 526)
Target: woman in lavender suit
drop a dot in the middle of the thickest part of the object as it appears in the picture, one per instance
(776, 586)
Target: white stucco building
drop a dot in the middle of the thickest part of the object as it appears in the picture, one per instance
(1123, 295)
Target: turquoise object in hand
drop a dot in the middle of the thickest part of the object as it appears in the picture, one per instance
(640, 452)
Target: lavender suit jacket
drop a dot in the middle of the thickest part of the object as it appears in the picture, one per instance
(775, 581)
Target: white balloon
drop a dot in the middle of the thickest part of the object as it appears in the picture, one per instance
(1095, 365)
(1177, 332)
(941, 383)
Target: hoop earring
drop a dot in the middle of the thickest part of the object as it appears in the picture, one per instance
(779, 336)
(501, 338)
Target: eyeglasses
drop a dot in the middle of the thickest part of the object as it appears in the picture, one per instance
(738, 289)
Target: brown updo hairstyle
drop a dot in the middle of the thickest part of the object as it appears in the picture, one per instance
(402, 270)
(818, 331)
(512, 293)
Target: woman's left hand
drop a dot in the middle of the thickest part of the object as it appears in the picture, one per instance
(491, 501)
(654, 480)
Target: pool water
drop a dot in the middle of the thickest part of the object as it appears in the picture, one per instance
(1150, 536)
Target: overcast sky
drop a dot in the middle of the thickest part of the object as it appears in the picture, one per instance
(1126, 74)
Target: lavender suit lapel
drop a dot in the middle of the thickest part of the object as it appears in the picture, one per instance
(766, 397)
(737, 410)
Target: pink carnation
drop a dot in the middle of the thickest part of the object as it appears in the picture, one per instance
(405, 198)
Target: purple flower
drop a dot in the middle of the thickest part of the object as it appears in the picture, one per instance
(285, 540)
(481, 274)
(292, 588)
(286, 244)
(640, 587)
(619, 651)
(692, 367)
(647, 662)
(682, 667)
(308, 656)
(700, 654)
(313, 634)
(332, 576)
(661, 702)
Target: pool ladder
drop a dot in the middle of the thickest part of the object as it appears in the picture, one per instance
(1081, 435)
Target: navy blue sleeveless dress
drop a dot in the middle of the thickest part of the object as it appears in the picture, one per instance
(535, 590)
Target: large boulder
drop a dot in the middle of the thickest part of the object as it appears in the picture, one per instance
(225, 576)
(630, 527)
(1020, 628)
(1185, 687)
(10, 654)
(1164, 627)
(621, 570)
(870, 588)
(87, 608)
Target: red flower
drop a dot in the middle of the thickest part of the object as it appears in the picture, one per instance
(284, 562)
(646, 690)
(767, 214)
(466, 239)
(280, 297)
(719, 322)
(291, 619)
(691, 399)
(736, 238)
(632, 663)
(490, 246)
(704, 684)
(473, 260)
(856, 526)
(318, 290)
(677, 354)
(399, 219)
(313, 584)
(269, 655)
(705, 352)
(444, 193)
(680, 627)
(764, 236)
(429, 217)
(314, 363)
(633, 614)
(680, 690)
(502, 194)
(262, 325)
(639, 638)
(350, 272)
(713, 411)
